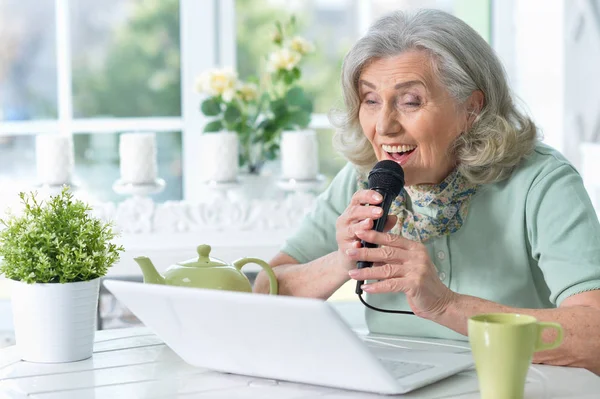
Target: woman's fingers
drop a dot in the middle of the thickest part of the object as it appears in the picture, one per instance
(358, 213)
(363, 225)
(381, 272)
(362, 197)
(359, 218)
(407, 268)
(382, 254)
(389, 285)
(390, 240)
(357, 209)
(356, 229)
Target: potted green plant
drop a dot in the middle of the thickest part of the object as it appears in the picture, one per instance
(55, 253)
(259, 109)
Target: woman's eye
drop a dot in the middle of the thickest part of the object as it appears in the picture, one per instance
(411, 101)
(370, 101)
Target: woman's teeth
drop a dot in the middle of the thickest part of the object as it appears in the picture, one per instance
(398, 148)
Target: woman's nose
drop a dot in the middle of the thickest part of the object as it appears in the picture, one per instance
(387, 122)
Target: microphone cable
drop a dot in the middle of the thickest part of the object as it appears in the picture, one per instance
(383, 310)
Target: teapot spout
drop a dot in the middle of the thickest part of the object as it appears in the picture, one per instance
(149, 271)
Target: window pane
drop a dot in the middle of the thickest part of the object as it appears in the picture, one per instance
(126, 58)
(475, 13)
(97, 165)
(331, 25)
(27, 60)
(17, 163)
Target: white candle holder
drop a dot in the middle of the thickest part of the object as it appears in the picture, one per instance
(219, 153)
(138, 165)
(300, 162)
(299, 155)
(54, 160)
(137, 154)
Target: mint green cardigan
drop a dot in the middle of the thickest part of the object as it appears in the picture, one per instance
(529, 241)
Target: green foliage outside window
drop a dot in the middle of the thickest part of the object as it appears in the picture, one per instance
(136, 74)
(140, 75)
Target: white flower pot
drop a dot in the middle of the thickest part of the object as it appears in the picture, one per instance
(219, 157)
(55, 323)
(299, 155)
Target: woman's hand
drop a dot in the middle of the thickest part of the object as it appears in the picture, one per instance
(358, 217)
(402, 266)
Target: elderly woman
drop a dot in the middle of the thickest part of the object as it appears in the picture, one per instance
(491, 220)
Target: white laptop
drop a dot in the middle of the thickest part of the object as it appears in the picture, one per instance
(284, 338)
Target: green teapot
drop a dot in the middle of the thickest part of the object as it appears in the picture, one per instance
(206, 272)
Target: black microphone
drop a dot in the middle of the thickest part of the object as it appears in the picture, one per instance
(387, 178)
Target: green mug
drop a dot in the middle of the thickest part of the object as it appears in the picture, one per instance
(503, 345)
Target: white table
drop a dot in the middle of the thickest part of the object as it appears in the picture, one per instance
(134, 363)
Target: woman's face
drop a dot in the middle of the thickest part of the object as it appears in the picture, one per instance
(409, 117)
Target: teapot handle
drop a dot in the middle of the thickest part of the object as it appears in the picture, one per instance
(273, 287)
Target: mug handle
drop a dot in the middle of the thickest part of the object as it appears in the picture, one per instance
(273, 287)
(541, 345)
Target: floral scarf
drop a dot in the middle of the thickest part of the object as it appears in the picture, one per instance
(445, 207)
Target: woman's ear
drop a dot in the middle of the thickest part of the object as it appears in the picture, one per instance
(474, 104)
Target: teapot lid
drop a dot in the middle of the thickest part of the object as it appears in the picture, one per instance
(203, 258)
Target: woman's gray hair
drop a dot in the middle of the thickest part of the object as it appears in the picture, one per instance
(500, 136)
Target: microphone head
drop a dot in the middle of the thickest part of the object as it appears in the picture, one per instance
(387, 176)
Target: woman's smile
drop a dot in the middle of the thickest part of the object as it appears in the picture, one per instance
(400, 153)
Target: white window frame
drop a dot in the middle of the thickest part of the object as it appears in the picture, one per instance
(197, 21)
(207, 35)
(208, 39)
(65, 123)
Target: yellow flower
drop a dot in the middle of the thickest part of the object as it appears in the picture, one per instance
(301, 45)
(248, 92)
(283, 59)
(217, 82)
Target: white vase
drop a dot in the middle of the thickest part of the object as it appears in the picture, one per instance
(54, 159)
(55, 323)
(299, 155)
(219, 157)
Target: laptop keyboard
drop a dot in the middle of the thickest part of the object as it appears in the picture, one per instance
(401, 369)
